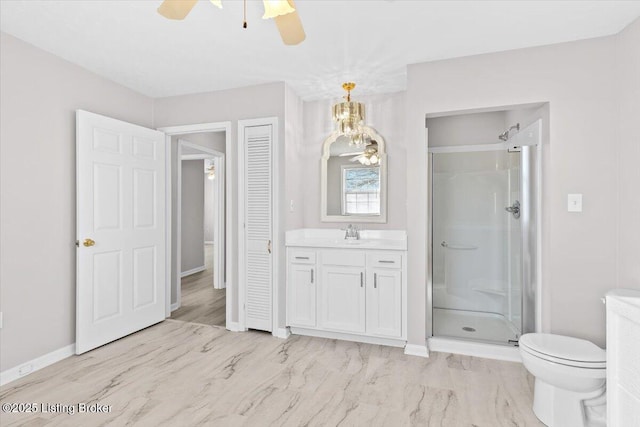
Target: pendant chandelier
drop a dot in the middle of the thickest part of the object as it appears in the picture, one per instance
(349, 116)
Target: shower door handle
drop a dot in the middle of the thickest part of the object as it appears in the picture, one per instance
(514, 209)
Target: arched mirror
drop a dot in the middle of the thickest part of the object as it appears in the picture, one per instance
(354, 179)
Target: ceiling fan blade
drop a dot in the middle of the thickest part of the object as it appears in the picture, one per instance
(176, 9)
(290, 27)
(355, 153)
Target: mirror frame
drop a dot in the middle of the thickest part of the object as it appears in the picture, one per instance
(326, 153)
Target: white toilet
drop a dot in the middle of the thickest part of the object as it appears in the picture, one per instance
(570, 378)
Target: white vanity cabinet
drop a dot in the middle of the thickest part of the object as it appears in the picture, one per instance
(342, 299)
(343, 290)
(301, 288)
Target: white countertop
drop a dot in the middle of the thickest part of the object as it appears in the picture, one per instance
(395, 240)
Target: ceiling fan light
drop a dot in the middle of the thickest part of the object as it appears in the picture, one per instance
(176, 9)
(290, 27)
(217, 3)
(274, 8)
(210, 170)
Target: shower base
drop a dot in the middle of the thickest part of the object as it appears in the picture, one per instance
(473, 325)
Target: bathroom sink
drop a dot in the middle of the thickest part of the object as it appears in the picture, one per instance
(334, 238)
(356, 242)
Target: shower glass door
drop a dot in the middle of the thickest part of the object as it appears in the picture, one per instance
(477, 278)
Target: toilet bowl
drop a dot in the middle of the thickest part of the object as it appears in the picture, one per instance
(570, 379)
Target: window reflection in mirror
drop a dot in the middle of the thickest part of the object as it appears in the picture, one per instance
(360, 190)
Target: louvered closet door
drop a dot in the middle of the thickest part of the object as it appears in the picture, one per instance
(258, 226)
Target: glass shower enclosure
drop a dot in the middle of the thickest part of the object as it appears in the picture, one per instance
(483, 254)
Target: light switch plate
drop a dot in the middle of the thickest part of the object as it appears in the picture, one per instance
(574, 203)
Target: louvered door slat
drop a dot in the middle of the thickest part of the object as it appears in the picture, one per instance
(258, 226)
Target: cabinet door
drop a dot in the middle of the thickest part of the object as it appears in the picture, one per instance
(301, 301)
(343, 299)
(384, 302)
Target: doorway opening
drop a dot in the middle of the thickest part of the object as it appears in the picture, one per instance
(199, 258)
(200, 205)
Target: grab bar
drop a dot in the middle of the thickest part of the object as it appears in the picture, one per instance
(458, 247)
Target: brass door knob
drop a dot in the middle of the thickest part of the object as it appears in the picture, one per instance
(88, 242)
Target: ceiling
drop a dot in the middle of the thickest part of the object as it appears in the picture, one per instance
(369, 42)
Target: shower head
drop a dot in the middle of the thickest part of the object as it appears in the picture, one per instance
(505, 135)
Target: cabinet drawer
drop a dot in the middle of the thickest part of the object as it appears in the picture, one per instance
(347, 258)
(384, 260)
(300, 256)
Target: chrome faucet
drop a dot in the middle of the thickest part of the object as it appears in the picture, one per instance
(352, 233)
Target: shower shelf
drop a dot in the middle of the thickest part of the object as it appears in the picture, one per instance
(490, 291)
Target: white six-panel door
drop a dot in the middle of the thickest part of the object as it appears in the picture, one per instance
(256, 210)
(120, 229)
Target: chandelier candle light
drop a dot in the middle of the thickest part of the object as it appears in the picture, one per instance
(349, 115)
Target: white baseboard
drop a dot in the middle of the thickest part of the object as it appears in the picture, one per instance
(233, 327)
(416, 350)
(36, 364)
(282, 333)
(477, 349)
(175, 306)
(392, 342)
(192, 271)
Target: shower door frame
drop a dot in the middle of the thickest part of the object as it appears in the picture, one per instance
(537, 143)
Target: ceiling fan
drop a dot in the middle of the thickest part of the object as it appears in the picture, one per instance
(283, 12)
(367, 156)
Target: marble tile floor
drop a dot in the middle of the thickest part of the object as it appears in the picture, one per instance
(201, 303)
(185, 374)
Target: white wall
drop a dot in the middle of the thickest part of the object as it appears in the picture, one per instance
(213, 140)
(385, 113)
(192, 215)
(578, 81)
(628, 208)
(39, 94)
(466, 129)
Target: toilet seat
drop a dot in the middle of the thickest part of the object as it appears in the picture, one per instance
(564, 350)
